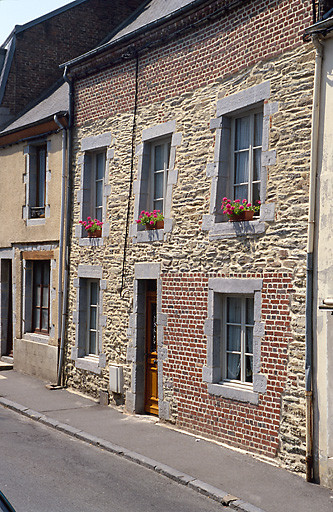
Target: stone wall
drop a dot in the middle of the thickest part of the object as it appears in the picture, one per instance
(188, 256)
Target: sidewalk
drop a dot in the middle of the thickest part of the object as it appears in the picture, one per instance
(203, 465)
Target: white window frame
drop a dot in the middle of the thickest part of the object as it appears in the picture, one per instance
(224, 352)
(29, 179)
(214, 372)
(80, 351)
(143, 185)
(166, 144)
(251, 148)
(90, 148)
(89, 283)
(221, 171)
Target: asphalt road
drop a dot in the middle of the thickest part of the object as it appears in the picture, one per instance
(46, 471)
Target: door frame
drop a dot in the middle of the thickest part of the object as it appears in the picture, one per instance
(151, 357)
(136, 346)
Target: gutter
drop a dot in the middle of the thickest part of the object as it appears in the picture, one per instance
(66, 231)
(309, 259)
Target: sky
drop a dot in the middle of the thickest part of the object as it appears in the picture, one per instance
(19, 12)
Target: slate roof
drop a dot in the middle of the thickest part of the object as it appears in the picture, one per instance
(149, 13)
(53, 102)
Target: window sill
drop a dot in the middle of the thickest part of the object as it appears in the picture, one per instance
(88, 363)
(150, 235)
(38, 338)
(234, 392)
(225, 229)
(36, 222)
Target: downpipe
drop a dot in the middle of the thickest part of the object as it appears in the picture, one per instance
(309, 259)
(62, 217)
(63, 309)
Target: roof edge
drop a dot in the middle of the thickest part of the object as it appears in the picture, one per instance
(131, 35)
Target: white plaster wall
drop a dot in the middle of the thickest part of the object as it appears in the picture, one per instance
(323, 279)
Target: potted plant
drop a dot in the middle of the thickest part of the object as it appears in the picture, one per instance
(151, 220)
(93, 227)
(238, 210)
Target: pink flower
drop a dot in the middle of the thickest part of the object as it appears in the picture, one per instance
(258, 202)
(237, 200)
(241, 207)
(249, 204)
(152, 223)
(244, 201)
(225, 199)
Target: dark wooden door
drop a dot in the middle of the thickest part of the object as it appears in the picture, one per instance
(151, 381)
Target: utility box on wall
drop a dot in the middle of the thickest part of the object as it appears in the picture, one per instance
(116, 378)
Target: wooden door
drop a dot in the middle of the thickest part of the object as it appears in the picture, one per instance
(151, 380)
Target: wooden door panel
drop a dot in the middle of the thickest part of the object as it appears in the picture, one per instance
(151, 381)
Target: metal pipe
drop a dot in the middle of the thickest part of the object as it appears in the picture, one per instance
(309, 261)
(66, 229)
(62, 215)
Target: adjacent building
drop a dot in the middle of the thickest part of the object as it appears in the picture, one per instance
(31, 54)
(33, 176)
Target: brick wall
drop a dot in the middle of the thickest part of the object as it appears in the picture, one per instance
(256, 428)
(236, 41)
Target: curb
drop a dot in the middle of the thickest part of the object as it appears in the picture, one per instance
(182, 478)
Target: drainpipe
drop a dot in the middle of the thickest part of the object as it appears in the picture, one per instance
(309, 262)
(66, 229)
(62, 216)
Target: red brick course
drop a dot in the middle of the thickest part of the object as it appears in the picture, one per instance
(253, 427)
(255, 32)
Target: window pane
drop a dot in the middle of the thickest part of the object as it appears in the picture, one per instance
(45, 302)
(249, 311)
(100, 166)
(241, 192)
(37, 296)
(158, 185)
(37, 318)
(256, 192)
(258, 129)
(41, 177)
(158, 157)
(99, 193)
(256, 164)
(241, 167)
(93, 293)
(158, 205)
(98, 213)
(248, 368)
(233, 366)
(46, 273)
(45, 318)
(234, 338)
(37, 273)
(249, 340)
(242, 133)
(233, 310)
(92, 343)
(93, 317)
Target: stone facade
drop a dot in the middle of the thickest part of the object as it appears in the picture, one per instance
(180, 85)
